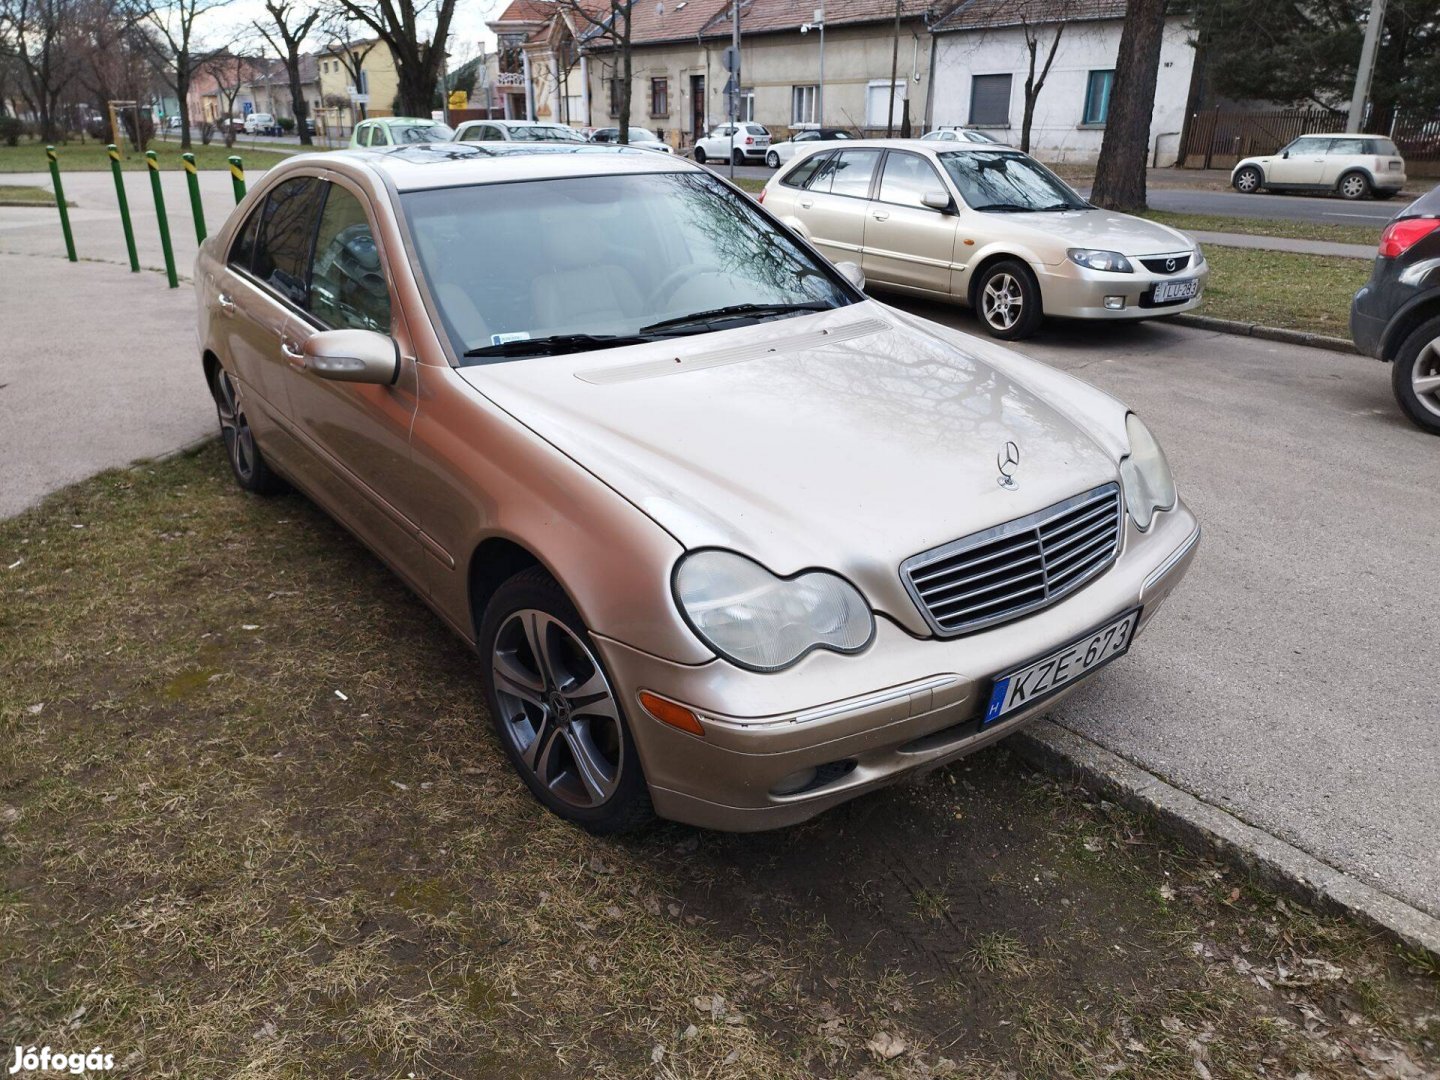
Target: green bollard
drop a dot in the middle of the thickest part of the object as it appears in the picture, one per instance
(60, 202)
(237, 176)
(154, 163)
(192, 179)
(114, 152)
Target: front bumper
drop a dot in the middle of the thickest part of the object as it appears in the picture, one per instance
(1071, 291)
(904, 706)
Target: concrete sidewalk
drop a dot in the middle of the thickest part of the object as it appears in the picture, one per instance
(98, 368)
(1282, 243)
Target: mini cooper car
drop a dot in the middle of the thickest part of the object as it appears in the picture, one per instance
(733, 542)
(988, 226)
(1351, 166)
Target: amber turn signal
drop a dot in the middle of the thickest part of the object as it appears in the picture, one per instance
(667, 712)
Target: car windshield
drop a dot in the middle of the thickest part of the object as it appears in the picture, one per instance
(591, 261)
(421, 133)
(1007, 181)
(545, 133)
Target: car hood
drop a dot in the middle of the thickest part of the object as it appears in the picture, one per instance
(1107, 230)
(849, 439)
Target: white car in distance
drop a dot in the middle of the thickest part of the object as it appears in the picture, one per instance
(740, 142)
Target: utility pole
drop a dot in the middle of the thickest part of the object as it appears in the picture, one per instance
(735, 79)
(820, 103)
(895, 70)
(1366, 71)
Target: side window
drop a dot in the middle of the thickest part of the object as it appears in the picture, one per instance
(1349, 146)
(803, 173)
(287, 227)
(906, 179)
(348, 289)
(379, 135)
(362, 135)
(848, 173)
(242, 249)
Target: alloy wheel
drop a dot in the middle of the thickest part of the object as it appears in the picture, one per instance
(1002, 301)
(1425, 377)
(558, 709)
(234, 428)
(1247, 181)
(1353, 186)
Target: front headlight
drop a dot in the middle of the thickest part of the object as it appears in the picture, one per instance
(763, 622)
(1101, 260)
(1145, 474)
(1199, 255)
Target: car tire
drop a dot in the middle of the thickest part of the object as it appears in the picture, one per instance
(1249, 180)
(772, 159)
(556, 710)
(1007, 300)
(1353, 185)
(247, 463)
(1419, 358)
(699, 155)
(737, 157)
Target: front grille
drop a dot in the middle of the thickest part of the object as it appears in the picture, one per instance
(1166, 264)
(1013, 569)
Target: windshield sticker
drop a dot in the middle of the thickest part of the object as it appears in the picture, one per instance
(501, 339)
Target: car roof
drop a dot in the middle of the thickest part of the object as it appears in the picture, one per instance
(423, 166)
(929, 147)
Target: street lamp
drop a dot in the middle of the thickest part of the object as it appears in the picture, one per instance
(818, 23)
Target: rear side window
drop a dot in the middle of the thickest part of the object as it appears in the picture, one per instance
(347, 287)
(1350, 146)
(286, 233)
(847, 173)
(804, 172)
(242, 251)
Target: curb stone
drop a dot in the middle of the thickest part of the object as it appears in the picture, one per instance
(1202, 827)
(1269, 333)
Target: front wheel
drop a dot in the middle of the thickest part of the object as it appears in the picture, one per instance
(737, 157)
(1354, 186)
(1247, 180)
(555, 709)
(1416, 376)
(772, 159)
(699, 155)
(246, 462)
(1008, 300)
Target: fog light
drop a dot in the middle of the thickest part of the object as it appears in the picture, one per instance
(1114, 303)
(796, 781)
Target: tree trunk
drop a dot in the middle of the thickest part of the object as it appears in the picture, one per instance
(298, 106)
(182, 95)
(626, 71)
(1120, 172)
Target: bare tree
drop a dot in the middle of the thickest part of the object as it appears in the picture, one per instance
(170, 27)
(40, 33)
(608, 22)
(1034, 82)
(230, 72)
(286, 33)
(114, 60)
(399, 23)
(1120, 172)
(350, 53)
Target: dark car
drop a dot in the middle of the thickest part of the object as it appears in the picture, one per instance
(1396, 315)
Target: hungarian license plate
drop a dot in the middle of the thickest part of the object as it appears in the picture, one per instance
(1176, 290)
(1041, 678)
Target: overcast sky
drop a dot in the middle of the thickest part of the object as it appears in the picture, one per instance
(467, 28)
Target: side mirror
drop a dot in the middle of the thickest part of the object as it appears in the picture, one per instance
(1286, 154)
(937, 200)
(360, 356)
(852, 273)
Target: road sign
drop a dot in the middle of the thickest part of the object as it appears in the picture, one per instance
(729, 87)
(730, 58)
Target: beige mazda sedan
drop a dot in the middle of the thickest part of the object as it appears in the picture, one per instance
(988, 226)
(733, 543)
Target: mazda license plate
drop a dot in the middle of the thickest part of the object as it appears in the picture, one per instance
(1177, 290)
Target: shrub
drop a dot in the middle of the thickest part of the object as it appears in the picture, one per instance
(10, 130)
(287, 124)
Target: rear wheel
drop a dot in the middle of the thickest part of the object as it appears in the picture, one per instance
(1416, 376)
(772, 159)
(1247, 180)
(1007, 298)
(1354, 186)
(555, 709)
(246, 461)
(737, 157)
(699, 155)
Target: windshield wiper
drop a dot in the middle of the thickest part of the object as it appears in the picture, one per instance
(1003, 208)
(734, 311)
(554, 344)
(1064, 206)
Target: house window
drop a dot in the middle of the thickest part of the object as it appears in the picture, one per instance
(990, 100)
(659, 97)
(747, 103)
(878, 101)
(802, 104)
(1097, 96)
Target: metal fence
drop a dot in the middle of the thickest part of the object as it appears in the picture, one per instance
(1217, 138)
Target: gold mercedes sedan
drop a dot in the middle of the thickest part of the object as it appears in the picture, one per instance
(733, 542)
(988, 226)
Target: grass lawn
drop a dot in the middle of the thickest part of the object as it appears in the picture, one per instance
(1274, 288)
(253, 822)
(1296, 230)
(25, 195)
(90, 156)
(754, 185)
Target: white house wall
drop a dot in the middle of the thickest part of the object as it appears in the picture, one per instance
(1057, 133)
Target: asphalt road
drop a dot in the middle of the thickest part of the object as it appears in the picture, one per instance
(1291, 679)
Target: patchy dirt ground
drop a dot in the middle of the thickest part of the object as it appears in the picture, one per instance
(254, 824)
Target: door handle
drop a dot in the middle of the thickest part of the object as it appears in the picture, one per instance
(881, 215)
(806, 205)
(225, 304)
(292, 354)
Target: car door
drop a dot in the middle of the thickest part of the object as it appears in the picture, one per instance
(1300, 163)
(906, 242)
(1341, 156)
(356, 434)
(262, 281)
(833, 205)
